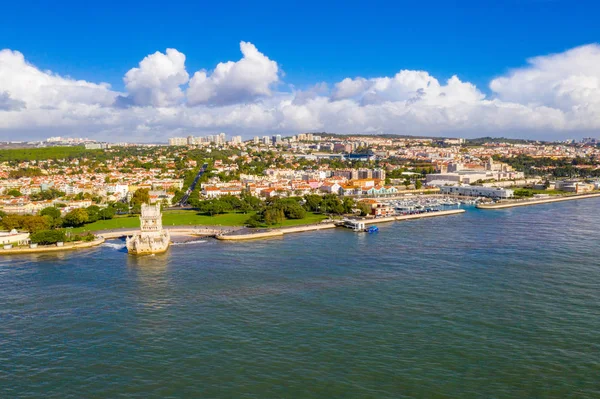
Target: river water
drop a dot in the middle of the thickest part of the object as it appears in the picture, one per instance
(487, 304)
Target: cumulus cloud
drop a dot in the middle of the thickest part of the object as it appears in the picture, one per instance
(552, 96)
(9, 104)
(27, 84)
(562, 81)
(235, 82)
(157, 80)
(406, 86)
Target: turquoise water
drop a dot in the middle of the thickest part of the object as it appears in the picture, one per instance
(488, 304)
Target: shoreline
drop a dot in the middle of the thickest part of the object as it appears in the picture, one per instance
(280, 232)
(197, 231)
(48, 248)
(233, 234)
(536, 201)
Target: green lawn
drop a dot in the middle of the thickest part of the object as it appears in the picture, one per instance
(533, 192)
(187, 218)
(310, 218)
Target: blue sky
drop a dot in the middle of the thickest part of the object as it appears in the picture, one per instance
(311, 41)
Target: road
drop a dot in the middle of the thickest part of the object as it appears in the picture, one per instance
(186, 197)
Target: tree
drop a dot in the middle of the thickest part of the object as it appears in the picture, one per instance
(106, 213)
(47, 237)
(253, 203)
(312, 202)
(418, 184)
(119, 207)
(10, 222)
(14, 193)
(294, 211)
(140, 196)
(93, 213)
(213, 207)
(348, 204)
(51, 211)
(254, 221)
(36, 223)
(177, 196)
(76, 217)
(332, 204)
(49, 194)
(365, 209)
(273, 215)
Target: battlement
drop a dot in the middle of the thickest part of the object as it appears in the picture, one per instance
(151, 238)
(151, 211)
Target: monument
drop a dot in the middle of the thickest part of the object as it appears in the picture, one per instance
(151, 239)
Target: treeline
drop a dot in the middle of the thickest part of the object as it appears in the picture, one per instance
(25, 172)
(38, 154)
(50, 218)
(276, 210)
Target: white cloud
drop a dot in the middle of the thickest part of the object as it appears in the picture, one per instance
(235, 82)
(9, 104)
(562, 81)
(410, 86)
(158, 79)
(553, 96)
(35, 88)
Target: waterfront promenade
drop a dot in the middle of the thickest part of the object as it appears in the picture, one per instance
(221, 233)
(53, 248)
(515, 203)
(247, 234)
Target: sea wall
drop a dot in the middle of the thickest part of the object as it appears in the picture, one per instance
(512, 204)
(52, 248)
(253, 235)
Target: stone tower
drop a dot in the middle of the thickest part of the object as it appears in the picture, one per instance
(151, 218)
(152, 238)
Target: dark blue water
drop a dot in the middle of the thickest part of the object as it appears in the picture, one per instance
(488, 304)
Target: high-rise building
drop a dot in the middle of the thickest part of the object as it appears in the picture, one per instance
(178, 141)
(276, 139)
(379, 174)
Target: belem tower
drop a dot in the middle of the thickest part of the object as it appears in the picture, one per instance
(151, 239)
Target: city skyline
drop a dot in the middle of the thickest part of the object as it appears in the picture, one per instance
(516, 77)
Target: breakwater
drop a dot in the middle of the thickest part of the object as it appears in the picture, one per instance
(512, 204)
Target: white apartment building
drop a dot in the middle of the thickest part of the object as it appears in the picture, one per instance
(478, 191)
